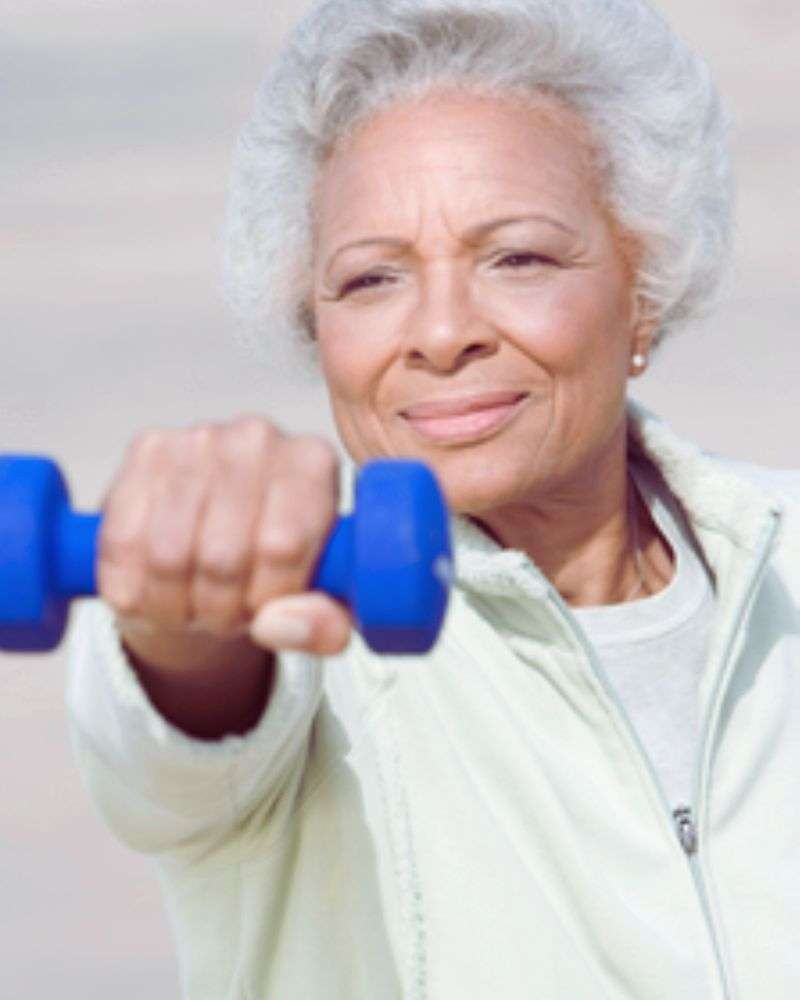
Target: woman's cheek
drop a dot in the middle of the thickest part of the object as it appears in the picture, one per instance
(541, 311)
(350, 377)
(582, 326)
(550, 331)
(343, 347)
(361, 335)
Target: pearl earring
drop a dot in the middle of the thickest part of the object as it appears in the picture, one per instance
(639, 361)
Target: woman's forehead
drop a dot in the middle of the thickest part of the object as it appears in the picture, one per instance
(462, 153)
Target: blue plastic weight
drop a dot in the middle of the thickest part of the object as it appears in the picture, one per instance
(390, 561)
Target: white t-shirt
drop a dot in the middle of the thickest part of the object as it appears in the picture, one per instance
(653, 650)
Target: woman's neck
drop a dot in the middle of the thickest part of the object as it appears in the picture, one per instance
(584, 536)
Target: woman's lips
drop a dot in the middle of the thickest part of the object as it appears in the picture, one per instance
(464, 419)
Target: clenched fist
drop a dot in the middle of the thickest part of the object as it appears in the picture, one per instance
(215, 530)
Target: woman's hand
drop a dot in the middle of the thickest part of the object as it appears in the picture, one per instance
(210, 535)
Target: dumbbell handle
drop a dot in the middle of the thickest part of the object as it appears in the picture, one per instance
(75, 547)
(75, 553)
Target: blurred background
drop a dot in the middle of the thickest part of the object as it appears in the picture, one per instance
(118, 119)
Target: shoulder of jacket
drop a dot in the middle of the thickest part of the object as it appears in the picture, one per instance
(782, 483)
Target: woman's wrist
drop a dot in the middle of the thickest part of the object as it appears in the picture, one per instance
(205, 686)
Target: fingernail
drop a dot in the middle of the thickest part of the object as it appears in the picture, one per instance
(278, 630)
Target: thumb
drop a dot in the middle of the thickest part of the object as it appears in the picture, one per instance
(311, 622)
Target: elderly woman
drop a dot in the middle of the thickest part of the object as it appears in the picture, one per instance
(483, 215)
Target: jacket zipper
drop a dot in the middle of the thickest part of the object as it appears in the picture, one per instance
(682, 820)
(685, 826)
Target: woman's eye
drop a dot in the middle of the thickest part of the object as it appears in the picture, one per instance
(522, 259)
(365, 281)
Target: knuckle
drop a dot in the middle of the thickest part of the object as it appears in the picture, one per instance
(115, 538)
(200, 438)
(222, 551)
(316, 455)
(257, 427)
(119, 584)
(163, 558)
(123, 600)
(167, 548)
(118, 541)
(147, 443)
(281, 544)
(246, 437)
(221, 562)
(124, 605)
(253, 429)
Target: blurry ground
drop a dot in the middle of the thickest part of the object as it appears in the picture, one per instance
(118, 119)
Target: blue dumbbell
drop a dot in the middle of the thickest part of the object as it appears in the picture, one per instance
(390, 561)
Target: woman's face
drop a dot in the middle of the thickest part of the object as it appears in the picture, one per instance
(463, 261)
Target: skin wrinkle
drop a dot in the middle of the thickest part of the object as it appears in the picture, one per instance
(470, 238)
(551, 110)
(455, 317)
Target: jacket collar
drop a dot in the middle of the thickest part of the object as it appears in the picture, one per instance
(717, 500)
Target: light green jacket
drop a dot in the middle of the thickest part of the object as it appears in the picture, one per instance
(482, 823)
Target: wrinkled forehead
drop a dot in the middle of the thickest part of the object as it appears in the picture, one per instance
(465, 152)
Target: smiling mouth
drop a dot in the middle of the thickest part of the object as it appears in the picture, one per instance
(459, 421)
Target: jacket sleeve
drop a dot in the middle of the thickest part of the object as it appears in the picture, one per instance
(156, 787)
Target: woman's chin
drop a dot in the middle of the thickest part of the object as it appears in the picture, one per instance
(480, 488)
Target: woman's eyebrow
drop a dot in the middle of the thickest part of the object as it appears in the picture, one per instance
(369, 241)
(472, 235)
(476, 233)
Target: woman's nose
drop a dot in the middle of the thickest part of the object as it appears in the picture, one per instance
(445, 327)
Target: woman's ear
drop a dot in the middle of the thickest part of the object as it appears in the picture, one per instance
(644, 332)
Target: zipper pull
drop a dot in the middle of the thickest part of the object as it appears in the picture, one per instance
(687, 832)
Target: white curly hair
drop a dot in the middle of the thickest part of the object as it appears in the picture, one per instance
(653, 112)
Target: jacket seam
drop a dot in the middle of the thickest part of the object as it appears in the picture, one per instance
(405, 868)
